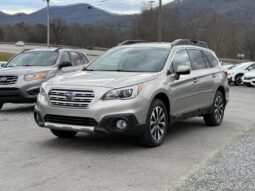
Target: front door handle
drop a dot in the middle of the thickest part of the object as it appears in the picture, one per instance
(214, 75)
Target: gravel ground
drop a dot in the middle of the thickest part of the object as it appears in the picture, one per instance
(233, 168)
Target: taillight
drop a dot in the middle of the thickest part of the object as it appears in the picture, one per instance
(226, 73)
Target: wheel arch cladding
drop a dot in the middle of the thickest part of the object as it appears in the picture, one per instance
(222, 90)
(164, 98)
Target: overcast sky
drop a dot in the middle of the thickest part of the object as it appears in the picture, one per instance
(118, 6)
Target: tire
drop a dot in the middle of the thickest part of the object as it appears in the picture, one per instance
(215, 117)
(249, 85)
(156, 125)
(63, 134)
(238, 80)
(1, 105)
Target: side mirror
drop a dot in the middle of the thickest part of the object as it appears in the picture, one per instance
(64, 64)
(250, 68)
(182, 70)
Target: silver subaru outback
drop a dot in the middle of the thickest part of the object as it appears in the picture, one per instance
(136, 89)
(22, 76)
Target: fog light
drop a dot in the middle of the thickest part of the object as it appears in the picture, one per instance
(121, 124)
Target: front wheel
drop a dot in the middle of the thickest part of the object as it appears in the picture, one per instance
(156, 125)
(215, 117)
(1, 105)
(63, 134)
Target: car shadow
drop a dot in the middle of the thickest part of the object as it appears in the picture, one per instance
(17, 109)
(100, 142)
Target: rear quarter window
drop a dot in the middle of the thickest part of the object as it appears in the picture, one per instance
(197, 59)
(211, 59)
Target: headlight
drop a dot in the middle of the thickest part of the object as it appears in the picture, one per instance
(123, 93)
(35, 76)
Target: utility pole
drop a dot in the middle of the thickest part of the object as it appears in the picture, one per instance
(160, 21)
(48, 23)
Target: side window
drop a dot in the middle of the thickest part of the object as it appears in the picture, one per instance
(213, 61)
(84, 58)
(197, 59)
(65, 57)
(77, 61)
(208, 64)
(180, 58)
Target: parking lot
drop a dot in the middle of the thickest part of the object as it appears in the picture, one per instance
(33, 159)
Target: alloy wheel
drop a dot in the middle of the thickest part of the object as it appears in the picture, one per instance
(219, 108)
(158, 123)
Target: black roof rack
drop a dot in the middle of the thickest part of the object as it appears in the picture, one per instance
(189, 42)
(129, 42)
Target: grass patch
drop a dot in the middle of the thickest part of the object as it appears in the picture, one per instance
(5, 56)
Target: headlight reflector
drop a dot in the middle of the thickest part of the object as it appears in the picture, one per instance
(35, 76)
(123, 93)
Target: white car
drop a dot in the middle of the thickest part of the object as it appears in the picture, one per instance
(228, 66)
(235, 74)
(249, 78)
(20, 44)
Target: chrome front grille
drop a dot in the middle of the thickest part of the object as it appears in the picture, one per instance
(8, 80)
(71, 98)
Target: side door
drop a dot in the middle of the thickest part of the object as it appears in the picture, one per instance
(183, 90)
(204, 78)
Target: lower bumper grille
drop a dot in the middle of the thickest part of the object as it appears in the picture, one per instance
(82, 121)
(9, 92)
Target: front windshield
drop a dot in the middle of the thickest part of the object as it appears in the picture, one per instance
(37, 58)
(131, 60)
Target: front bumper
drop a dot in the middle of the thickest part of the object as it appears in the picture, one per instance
(101, 116)
(20, 92)
(107, 125)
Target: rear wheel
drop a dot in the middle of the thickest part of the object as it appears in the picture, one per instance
(156, 125)
(217, 113)
(238, 80)
(248, 85)
(63, 134)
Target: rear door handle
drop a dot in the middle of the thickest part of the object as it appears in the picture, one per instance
(195, 81)
(214, 75)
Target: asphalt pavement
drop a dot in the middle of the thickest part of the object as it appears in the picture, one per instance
(31, 158)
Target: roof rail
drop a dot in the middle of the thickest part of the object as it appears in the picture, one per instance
(189, 42)
(129, 42)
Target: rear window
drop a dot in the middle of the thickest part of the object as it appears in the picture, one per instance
(212, 60)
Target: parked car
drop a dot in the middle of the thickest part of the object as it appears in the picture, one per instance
(137, 89)
(249, 78)
(22, 76)
(228, 66)
(235, 74)
(19, 44)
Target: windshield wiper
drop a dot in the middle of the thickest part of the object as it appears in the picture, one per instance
(86, 69)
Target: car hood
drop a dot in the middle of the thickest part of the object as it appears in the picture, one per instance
(250, 74)
(102, 79)
(19, 71)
